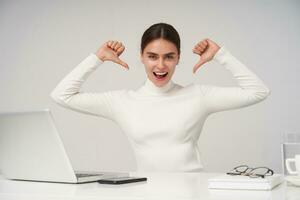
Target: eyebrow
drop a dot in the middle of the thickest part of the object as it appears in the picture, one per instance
(170, 53)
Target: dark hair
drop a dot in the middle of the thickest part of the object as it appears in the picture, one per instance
(160, 30)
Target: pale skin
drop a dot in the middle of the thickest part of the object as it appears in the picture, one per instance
(159, 56)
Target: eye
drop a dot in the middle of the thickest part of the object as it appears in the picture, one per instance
(152, 56)
(170, 57)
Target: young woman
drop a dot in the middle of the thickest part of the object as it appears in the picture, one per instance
(163, 120)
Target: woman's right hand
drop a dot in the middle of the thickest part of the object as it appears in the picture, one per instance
(111, 50)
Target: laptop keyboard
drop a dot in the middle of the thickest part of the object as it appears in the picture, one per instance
(87, 175)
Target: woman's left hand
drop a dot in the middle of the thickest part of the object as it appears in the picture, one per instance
(206, 49)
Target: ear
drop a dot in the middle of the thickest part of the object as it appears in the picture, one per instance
(178, 59)
(141, 58)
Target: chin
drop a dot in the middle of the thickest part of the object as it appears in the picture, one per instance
(160, 84)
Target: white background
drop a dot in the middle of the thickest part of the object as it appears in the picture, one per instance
(41, 41)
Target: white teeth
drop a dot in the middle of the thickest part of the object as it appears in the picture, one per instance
(161, 73)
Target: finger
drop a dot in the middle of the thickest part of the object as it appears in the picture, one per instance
(114, 44)
(198, 65)
(119, 61)
(196, 51)
(203, 45)
(120, 50)
(118, 45)
(206, 41)
(199, 43)
(199, 48)
(109, 43)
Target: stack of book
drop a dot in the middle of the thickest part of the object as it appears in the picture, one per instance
(244, 182)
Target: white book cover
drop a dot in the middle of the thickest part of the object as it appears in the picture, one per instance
(244, 182)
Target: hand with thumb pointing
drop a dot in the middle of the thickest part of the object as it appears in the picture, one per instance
(206, 49)
(111, 50)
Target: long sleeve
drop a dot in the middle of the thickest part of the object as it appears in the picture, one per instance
(67, 92)
(250, 89)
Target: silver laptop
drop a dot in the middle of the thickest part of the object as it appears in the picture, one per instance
(31, 149)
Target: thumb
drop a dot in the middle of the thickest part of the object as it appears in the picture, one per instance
(198, 65)
(119, 61)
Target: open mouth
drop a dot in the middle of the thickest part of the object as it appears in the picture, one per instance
(160, 75)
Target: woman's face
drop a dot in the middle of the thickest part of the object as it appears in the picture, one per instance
(160, 58)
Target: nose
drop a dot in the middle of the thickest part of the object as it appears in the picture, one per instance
(161, 64)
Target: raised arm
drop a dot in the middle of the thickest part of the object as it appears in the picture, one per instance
(250, 89)
(67, 93)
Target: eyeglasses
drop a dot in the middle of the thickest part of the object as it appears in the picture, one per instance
(256, 172)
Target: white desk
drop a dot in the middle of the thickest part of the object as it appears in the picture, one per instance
(167, 186)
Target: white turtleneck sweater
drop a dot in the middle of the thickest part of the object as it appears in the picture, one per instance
(163, 124)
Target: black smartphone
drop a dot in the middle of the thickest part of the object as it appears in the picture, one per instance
(122, 180)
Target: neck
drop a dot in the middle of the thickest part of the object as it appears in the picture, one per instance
(150, 87)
